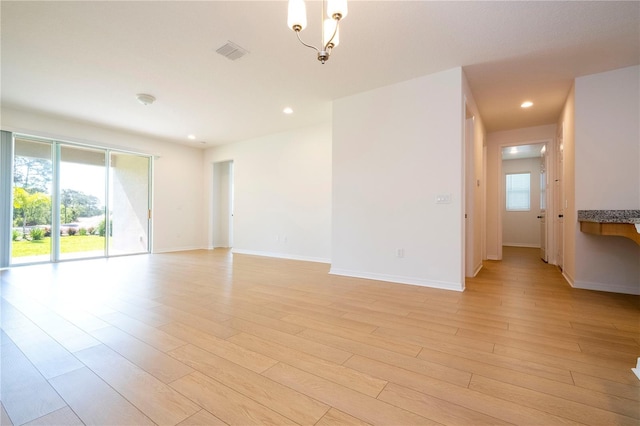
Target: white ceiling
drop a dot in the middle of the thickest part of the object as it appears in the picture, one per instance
(87, 60)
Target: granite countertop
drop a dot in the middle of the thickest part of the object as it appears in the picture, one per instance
(609, 216)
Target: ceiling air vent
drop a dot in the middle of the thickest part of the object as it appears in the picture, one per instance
(232, 51)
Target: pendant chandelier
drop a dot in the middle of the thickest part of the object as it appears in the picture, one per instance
(335, 11)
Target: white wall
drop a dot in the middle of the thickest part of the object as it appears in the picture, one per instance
(394, 150)
(522, 228)
(282, 193)
(607, 175)
(178, 175)
(495, 142)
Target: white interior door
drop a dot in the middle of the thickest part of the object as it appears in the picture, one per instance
(544, 185)
(543, 236)
(470, 268)
(222, 209)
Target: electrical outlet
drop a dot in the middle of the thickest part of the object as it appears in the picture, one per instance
(400, 252)
(443, 198)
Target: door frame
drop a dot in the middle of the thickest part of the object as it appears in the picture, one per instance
(221, 205)
(6, 179)
(550, 231)
(469, 198)
(558, 186)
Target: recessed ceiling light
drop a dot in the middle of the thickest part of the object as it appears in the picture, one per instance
(526, 104)
(192, 137)
(288, 110)
(513, 150)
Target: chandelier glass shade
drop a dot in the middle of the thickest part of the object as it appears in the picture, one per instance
(336, 10)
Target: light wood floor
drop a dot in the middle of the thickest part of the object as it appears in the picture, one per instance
(208, 338)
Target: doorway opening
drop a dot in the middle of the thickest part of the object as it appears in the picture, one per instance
(524, 199)
(222, 205)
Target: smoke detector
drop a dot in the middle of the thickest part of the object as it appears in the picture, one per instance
(145, 99)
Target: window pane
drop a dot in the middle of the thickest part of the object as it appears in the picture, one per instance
(82, 203)
(32, 177)
(67, 205)
(518, 191)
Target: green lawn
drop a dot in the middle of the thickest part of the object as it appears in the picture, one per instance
(68, 244)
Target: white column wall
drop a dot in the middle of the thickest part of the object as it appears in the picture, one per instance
(607, 175)
(394, 150)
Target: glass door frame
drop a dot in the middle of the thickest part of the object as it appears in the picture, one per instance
(6, 201)
(110, 173)
(7, 152)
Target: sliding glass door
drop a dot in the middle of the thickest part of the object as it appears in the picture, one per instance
(32, 202)
(82, 199)
(129, 196)
(71, 201)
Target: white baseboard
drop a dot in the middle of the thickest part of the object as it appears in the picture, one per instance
(611, 288)
(398, 279)
(493, 257)
(281, 255)
(521, 245)
(169, 250)
(478, 268)
(636, 370)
